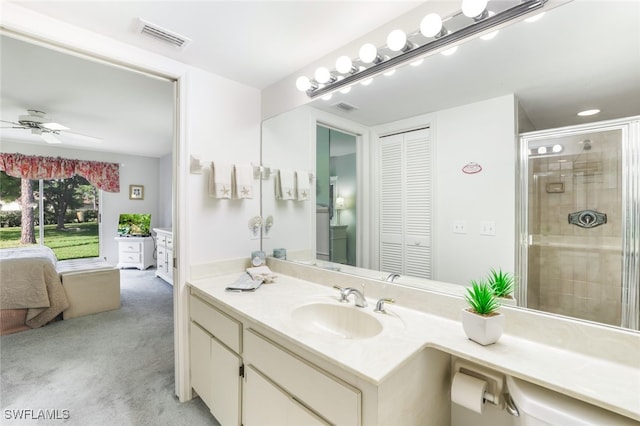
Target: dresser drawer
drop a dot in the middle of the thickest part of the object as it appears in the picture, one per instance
(217, 323)
(162, 240)
(130, 247)
(129, 257)
(169, 242)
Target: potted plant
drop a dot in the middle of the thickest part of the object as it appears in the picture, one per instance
(502, 284)
(480, 321)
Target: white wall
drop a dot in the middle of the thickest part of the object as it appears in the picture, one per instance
(485, 133)
(133, 170)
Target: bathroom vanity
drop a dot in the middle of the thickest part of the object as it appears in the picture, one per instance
(291, 353)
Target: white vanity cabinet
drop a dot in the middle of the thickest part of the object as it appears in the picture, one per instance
(164, 242)
(285, 383)
(216, 366)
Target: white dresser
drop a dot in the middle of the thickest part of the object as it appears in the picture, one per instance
(135, 252)
(164, 241)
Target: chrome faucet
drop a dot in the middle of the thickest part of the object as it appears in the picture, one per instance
(392, 277)
(358, 297)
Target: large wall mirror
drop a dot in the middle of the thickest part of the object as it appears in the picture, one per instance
(448, 129)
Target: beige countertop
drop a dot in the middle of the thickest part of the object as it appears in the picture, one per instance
(611, 385)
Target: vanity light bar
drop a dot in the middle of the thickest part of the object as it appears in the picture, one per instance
(387, 64)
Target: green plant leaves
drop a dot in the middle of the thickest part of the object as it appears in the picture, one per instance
(481, 298)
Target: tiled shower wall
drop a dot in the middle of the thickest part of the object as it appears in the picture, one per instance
(576, 271)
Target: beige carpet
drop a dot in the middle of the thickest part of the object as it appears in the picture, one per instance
(111, 368)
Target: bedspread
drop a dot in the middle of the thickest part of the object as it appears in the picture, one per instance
(28, 279)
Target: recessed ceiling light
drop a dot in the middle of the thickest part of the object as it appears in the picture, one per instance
(588, 112)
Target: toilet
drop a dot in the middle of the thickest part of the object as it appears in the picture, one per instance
(538, 406)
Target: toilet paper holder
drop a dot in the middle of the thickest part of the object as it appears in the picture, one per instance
(495, 380)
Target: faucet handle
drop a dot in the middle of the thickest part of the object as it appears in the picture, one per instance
(343, 293)
(380, 305)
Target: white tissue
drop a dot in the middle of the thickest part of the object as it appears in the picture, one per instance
(468, 392)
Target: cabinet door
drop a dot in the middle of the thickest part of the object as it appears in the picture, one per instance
(201, 366)
(225, 397)
(265, 404)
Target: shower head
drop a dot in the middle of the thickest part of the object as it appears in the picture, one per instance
(586, 144)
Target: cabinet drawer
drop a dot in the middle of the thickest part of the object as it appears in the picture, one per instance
(332, 398)
(162, 240)
(338, 233)
(129, 257)
(131, 247)
(169, 242)
(217, 323)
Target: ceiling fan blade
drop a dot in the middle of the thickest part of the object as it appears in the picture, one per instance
(17, 125)
(50, 137)
(80, 136)
(54, 126)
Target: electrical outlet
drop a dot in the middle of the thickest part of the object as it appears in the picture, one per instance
(459, 227)
(487, 228)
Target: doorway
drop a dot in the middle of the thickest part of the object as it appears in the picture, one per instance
(336, 196)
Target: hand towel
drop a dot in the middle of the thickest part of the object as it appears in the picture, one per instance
(302, 185)
(285, 185)
(220, 180)
(243, 181)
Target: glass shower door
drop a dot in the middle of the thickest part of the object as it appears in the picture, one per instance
(579, 245)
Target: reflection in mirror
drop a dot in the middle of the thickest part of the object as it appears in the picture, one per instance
(530, 77)
(336, 196)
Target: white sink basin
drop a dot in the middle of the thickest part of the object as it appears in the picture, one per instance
(344, 321)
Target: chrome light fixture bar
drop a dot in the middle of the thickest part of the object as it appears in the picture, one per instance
(448, 36)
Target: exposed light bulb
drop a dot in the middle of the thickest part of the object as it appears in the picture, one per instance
(322, 75)
(542, 150)
(344, 65)
(397, 40)
(474, 8)
(450, 51)
(368, 53)
(431, 25)
(557, 148)
(303, 83)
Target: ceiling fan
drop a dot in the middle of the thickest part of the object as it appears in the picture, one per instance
(37, 122)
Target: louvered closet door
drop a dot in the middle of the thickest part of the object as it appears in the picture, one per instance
(405, 204)
(417, 236)
(391, 204)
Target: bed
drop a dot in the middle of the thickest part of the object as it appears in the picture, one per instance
(31, 294)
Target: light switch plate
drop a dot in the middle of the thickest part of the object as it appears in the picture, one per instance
(487, 227)
(459, 227)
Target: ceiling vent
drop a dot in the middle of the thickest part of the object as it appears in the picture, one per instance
(343, 106)
(163, 34)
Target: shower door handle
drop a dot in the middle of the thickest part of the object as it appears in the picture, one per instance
(587, 218)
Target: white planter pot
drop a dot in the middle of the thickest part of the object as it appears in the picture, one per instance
(481, 329)
(506, 301)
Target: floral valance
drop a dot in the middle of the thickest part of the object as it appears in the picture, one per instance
(105, 176)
